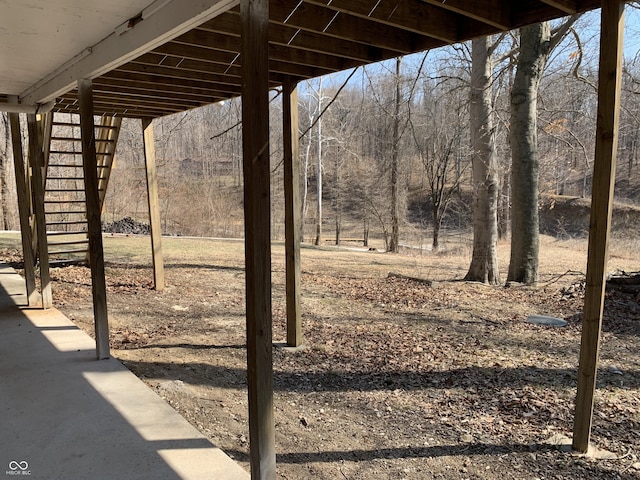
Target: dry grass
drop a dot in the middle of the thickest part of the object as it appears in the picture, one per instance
(400, 380)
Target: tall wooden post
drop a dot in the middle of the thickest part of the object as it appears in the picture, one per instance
(94, 225)
(152, 200)
(33, 298)
(292, 209)
(257, 226)
(610, 76)
(36, 159)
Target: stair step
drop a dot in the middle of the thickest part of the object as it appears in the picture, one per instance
(74, 139)
(67, 252)
(66, 152)
(72, 165)
(67, 222)
(66, 139)
(66, 212)
(63, 190)
(70, 242)
(55, 234)
(64, 263)
(64, 201)
(71, 124)
(66, 178)
(63, 152)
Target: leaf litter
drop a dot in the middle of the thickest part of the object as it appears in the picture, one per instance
(399, 380)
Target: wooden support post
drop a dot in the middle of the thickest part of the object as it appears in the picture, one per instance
(94, 224)
(36, 159)
(33, 297)
(154, 208)
(610, 75)
(292, 209)
(257, 226)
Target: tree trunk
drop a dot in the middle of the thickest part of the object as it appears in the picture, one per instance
(484, 260)
(8, 194)
(337, 206)
(437, 223)
(395, 210)
(504, 208)
(365, 232)
(318, 240)
(4, 157)
(534, 52)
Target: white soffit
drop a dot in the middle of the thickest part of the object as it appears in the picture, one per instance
(46, 45)
(37, 36)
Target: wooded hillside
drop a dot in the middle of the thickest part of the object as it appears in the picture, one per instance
(409, 116)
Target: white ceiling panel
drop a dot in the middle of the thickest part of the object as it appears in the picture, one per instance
(37, 36)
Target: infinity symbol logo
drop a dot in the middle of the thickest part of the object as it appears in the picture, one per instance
(13, 465)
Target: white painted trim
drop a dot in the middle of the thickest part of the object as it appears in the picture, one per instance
(154, 8)
(13, 107)
(172, 20)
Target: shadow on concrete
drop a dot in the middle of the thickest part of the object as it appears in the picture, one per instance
(66, 415)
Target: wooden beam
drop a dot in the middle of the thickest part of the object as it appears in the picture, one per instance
(172, 20)
(198, 53)
(292, 209)
(153, 91)
(33, 297)
(226, 43)
(216, 73)
(116, 100)
(154, 205)
(610, 80)
(347, 27)
(257, 224)
(170, 80)
(231, 62)
(492, 12)
(412, 15)
(94, 225)
(287, 35)
(525, 13)
(567, 6)
(108, 109)
(36, 159)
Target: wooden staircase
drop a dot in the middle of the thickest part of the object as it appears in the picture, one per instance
(64, 198)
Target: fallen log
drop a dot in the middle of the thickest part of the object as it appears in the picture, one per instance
(424, 281)
(624, 282)
(622, 278)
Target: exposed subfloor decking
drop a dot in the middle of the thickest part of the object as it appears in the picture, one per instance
(68, 415)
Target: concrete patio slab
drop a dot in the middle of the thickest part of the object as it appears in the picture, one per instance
(66, 415)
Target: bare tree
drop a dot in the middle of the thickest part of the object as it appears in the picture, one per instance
(484, 260)
(438, 141)
(536, 44)
(395, 147)
(318, 239)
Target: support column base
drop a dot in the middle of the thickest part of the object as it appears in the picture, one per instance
(564, 444)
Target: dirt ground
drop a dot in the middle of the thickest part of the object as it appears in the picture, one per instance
(400, 379)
